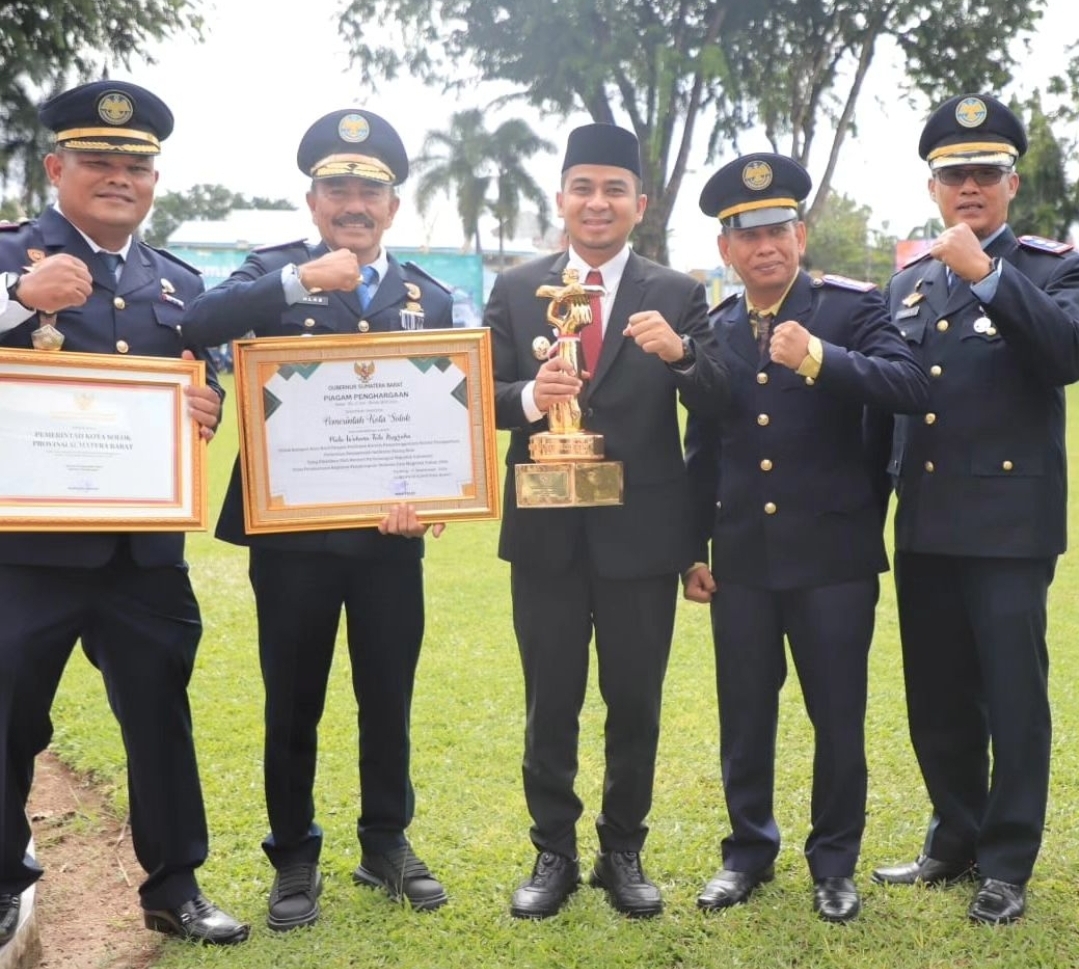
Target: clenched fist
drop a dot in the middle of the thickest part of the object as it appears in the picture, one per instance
(55, 283)
(337, 270)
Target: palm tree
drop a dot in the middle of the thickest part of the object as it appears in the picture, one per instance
(511, 143)
(453, 160)
(466, 159)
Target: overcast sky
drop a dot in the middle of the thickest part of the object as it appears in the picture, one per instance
(244, 97)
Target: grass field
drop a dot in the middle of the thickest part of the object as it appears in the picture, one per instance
(471, 825)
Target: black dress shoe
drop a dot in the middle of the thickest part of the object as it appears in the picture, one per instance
(628, 888)
(925, 871)
(997, 902)
(554, 878)
(729, 888)
(199, 920)
(294, 897)
(836, 899)
(9, 917)
(402, 875)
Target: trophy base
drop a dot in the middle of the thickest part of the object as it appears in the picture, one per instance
(545, 446)
(569, 484)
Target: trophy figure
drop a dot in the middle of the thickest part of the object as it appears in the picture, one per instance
(569, 469)
(47, 336)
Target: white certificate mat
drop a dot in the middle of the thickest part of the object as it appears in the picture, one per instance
(336, 430)
(99, 442)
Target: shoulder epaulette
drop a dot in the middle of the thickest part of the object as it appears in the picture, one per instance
(1041, 244)
(12, 226)
(419, 270)
(845, 282)
(724, 303)
(925, 254)
(174, 258)
(296, 243)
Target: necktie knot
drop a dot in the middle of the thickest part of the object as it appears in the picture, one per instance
(369, 280)
(114, 261)
(762, 330)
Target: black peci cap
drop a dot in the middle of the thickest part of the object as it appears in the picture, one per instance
(353, 143)
(972, 129)
(108, 116)
(603, 144)
(755, 190)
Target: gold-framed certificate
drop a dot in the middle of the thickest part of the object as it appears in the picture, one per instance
(99, 442)
(336, 430)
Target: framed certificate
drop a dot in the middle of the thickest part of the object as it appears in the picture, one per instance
(99, 442)
(336, 430)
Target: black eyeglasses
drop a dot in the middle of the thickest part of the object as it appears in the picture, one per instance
(982, 176)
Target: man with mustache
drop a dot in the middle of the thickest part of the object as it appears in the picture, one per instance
(981, 482)
(78, 274)
(346, 283)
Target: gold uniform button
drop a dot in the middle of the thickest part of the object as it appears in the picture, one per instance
(121, 346)
(930, 418)
(942, 325)
(810, 381)
(762, 419)
(929, 466)
(119, 303)
(309, 322)
(766, 465)
(363, 326)
(1007, 465)
(769, 507)
(762, 378)
(936, 370)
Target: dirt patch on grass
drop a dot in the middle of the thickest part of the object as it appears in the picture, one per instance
(88, 910)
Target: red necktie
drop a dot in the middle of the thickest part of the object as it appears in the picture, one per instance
(592, 335)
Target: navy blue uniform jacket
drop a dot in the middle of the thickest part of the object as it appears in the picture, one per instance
(252, 299)
(988, 476)
(783, 483)
(144, 310)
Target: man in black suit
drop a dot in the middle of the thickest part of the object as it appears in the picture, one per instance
(612, 570)
(127, 596)
(784, 490)
(346, 283)
(981, 483)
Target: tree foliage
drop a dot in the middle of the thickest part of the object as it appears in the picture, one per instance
(203, 202)
(44, 44)
(841, 242)
(1047, 202)
(665, 67)
(467, 161)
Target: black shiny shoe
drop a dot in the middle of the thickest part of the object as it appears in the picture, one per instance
(998, 903)
(628, 888)
(728, 888)
(402, 875)
(554, 878)
(836, 899)
(198, 920)
(294, 897)
(925, 871)
(9, 917)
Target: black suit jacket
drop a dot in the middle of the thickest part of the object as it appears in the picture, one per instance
(782, 480)
(252, 299)
(143, 311)
(631, 400)
(988, 475)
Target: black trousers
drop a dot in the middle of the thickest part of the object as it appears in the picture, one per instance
(554, 617)
(977, 676)
(140, 627)
(299, 597)
(829, 629)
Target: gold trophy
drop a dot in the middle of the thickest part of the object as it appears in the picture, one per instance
(569, 470)
(47, 336)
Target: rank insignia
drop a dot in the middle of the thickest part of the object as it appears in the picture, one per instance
(913, 298)
(413, 291)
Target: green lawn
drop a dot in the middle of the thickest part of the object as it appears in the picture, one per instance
(472, 828)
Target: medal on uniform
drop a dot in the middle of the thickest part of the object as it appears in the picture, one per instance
(412, 316)
(983, 325)
(47, 336)
(914, 298)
